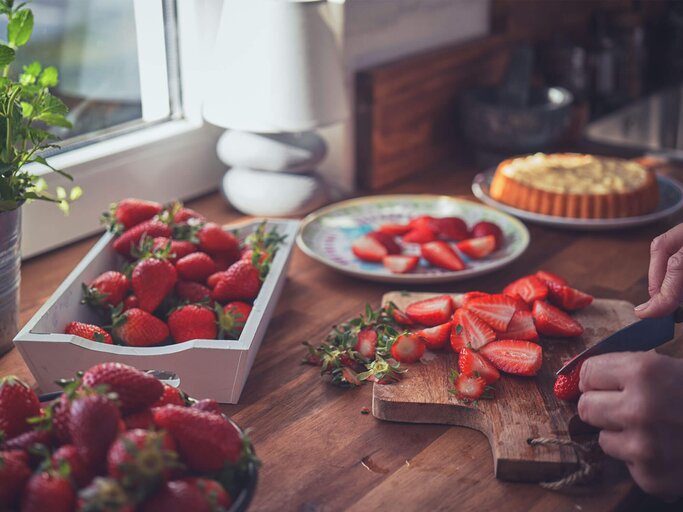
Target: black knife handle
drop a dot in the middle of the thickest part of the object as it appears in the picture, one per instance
(678, 315)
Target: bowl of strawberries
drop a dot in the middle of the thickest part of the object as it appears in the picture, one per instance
(118, 439)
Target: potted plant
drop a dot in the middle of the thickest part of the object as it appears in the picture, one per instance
(27, 111)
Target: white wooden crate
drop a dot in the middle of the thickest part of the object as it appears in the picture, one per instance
(215, 369)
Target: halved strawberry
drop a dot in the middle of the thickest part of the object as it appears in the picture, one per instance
(431, 312)
(485, 228)
(407, 348)
(473, 363)
(395, 229)
(400, 317)
(400, 263)
(567, 386)
(471, 295)
(423, 221)
(529, 288)
(387, 241)
(549, 277)
(495, 310)
(419, 236)
(520, 305)
(477, 248)
(435, 337)
(521, 327)
(366, 343)
(451, 228)
(469, 330)
(469, 387)
(569, 299)
(368, 249)
(440, 254)
(514, 356)
(552, 321)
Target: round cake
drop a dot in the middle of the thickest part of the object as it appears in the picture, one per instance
(576, 186)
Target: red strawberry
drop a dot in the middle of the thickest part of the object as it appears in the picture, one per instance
(104, 495)
(214, 239)
(400, 317)
(366, 343)
(131, 212)
(205, 441)
(387, 241)
(18, 403)
(14, 473)
(195, 494)
(528, 288)
(407, 348)
(208, 405)
(549, 277)
(521, 327)
(567, 386)
(485, 228)
(367, 248)
(153, 279)
(48, 491)
(469, 330)
(131, 302)
(88, 331)
(213, 279)
(520, 304)
(400, 264)
(141, 459)
(420, 235)
(143, 420)
(495, 310)
(178, 249)
(170, 395)
(435, 337)
(569, 299)
(233, 318)
(552, 321)
(131, 238)
(192, 292)
(185, 214)
(192, 322)
(107, 289)
(514, 356)
(242, 281)
(473, 363)
(138, 328)
(61, 416)
(423, 222)
(394, 229)
(433, 311)
(78, 471)
(224, 260)
(477, 248)
(195, 267)
(28, 440)
(94, 425)
(451, 228)
(469, 387)
(472, 295)
(136, 390)
(441, 254)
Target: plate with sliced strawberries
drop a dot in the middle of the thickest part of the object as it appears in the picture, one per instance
(412, 238)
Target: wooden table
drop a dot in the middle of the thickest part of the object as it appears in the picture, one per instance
(319, 452)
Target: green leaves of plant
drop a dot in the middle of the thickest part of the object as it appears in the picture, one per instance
(6, 55)
(20, 28)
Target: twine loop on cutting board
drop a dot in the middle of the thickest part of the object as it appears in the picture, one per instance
(589, 462)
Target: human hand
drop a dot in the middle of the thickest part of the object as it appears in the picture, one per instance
(665, 275)
(636, 398)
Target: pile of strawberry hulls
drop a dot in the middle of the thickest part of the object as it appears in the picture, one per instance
(117, 440)
(442, 243)
(491, 333)
(184, 278)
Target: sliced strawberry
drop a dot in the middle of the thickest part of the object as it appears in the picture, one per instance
(387, 241)
(368, 249)
(473, 363)
(440, 254)
(567, 386)
(514, 356)
(366, 343)
(407, 348)
(395, 229)
(549, 277)
(400, 317)
(419, 236)
(520, 305)
(469, 387)
(435, 337)
(399, 263)
(569, 299)
(451, 228)
(431, 312)
(423, 221)
(529, 288)
(521, 327)
(552, 321)
(477, 248)
(495, 310)
(472, 295)
(469, 330)
(485, 228)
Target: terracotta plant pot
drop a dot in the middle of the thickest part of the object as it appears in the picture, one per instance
(10, 262)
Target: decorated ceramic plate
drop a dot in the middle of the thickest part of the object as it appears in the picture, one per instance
(670, 201)
(327, 234)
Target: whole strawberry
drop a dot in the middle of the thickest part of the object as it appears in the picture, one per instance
(242, 281)
(184, 214)
(195, 267)
(214, 239)
(104, 495)
(171, 395)
(48, 490)
(192, 292)
(131, 238)
(192, 322)
(78, 471)
(196, 494)
(88, 331)
(233, 317)
(130, 212)
(207, 405)
(135, 389)
(94, 425)
(205, 440)
(130, 302)
(142, 419)
(138, 328)
(107, 289)
(28, 441)
(14, 472)
(61, 416)
(153, 279)
(18, 402)
(178, 249)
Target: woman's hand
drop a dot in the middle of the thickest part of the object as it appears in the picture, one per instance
(636, 398)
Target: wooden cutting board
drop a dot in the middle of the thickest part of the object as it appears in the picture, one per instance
(523, 407)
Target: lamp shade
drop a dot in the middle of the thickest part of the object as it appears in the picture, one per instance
(275, 68)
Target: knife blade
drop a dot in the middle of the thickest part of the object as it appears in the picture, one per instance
(642, 335)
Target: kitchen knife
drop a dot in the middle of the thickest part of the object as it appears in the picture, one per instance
(642, 335)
